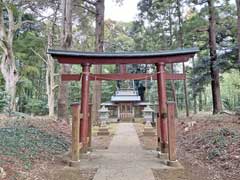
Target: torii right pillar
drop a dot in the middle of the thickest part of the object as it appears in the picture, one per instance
(162, 104)
(84, 123)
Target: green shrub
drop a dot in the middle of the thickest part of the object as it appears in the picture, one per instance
(213, 153)
(29, 143)
(4, 101)
(5, 105)
(36, 107)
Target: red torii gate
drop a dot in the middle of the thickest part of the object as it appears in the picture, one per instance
(160, 59)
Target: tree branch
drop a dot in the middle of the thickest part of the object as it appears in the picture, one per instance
(11, 29)
(83, 7)
(55, 87)
(2, 25)
(90, 2)
(18, 25)
(201, 29)
(36, 53)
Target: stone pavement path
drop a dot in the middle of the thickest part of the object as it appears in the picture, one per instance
(125, 159)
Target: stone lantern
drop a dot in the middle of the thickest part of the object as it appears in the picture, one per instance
(147, 115)
(103, 117)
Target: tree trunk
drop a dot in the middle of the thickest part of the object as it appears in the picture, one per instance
(66, 42)
(194, 96)
(238, 31)
(50, 82)
(181, 44)
(174, 92)
(205, 100)
(50, 74)
(185, 92)
(99, 45)
(172, 68)
(200, 107)
(180, 22)
(194, 105)
(216, 96)
(8, 64)
(170, 29)
(10, 76)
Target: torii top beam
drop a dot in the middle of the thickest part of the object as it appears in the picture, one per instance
(169, 56)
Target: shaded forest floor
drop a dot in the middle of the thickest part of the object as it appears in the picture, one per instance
(207, 146)
(29, 149)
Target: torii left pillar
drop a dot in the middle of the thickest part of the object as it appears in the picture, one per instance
(162, 103)
(84, 106)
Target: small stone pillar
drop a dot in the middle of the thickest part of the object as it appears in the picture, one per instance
(147, 115)
(103, 117)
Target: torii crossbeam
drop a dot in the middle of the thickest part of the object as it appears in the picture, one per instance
(121, 76)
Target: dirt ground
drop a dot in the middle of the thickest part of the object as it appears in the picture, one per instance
(102, 142)
(147, 142)
(58, 171)
(207, 146)
(169, 174)
(44, 165)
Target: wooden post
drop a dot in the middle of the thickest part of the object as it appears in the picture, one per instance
(75, 131)
(90, 127)
(84, 106)
(158, 132)
(172, 157)
(118, 110)
(162, 101)
(171, 131)
(158, 125)
(133, 112)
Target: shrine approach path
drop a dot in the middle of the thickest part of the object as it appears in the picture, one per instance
(125, 159)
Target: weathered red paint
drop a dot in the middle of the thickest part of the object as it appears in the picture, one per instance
(121, 76)
(71, 77)
(84, 104)
(123, 68)
(89, 125)
(162, 98)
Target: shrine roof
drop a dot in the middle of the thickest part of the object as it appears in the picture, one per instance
(125, 98)
(123, 95)
(166, 56)
(55, 52)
